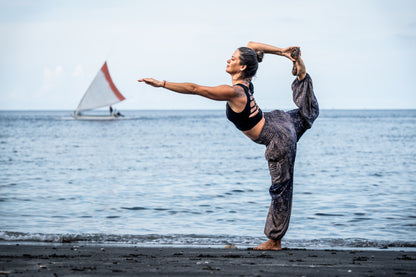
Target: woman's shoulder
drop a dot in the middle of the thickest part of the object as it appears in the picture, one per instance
(240, 89)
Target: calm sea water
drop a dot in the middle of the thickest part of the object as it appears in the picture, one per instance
(189, 177)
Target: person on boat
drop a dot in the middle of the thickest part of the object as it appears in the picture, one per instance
(279, 131)
(115, 113)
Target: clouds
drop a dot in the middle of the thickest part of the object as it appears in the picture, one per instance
(359, 53)
(51, 79)
(57, 79)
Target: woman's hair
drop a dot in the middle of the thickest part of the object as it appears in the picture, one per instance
(251, 59)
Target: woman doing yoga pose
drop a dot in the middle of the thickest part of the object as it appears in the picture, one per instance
(279, 131)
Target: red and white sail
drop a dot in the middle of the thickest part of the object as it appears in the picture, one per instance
(102, 92)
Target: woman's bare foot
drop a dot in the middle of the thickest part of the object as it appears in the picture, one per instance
(295, 55)
(270, 245)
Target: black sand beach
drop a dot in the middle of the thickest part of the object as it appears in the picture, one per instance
(69, 260)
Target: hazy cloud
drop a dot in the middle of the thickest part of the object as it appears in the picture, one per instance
(359, 53)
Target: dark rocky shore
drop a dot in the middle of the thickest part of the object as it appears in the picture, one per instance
(96, 260)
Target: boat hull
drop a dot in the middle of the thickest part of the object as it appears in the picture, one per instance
(96, 117)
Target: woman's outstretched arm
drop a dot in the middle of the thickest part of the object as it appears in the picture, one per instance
(270, 49)
(219, 93)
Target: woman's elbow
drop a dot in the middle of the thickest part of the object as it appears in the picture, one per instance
(195, 89)
(251, 44)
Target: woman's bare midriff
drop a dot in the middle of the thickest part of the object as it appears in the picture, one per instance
(254, 132)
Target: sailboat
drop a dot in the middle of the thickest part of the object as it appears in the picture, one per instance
(101, 93)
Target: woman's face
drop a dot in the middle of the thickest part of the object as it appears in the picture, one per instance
(233, 64)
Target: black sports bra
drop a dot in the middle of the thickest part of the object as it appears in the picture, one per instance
(242, 120)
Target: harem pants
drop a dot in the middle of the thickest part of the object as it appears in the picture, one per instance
(280, 134)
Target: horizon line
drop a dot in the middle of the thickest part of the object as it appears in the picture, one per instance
(266, 110)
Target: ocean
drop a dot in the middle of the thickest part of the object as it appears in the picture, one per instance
(191, 178)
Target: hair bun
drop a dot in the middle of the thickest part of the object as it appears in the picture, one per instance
(260, 55)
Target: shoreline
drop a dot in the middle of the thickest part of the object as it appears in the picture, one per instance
(199, 246)
(104, 260)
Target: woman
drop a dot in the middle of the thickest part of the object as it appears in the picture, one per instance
(278, 130)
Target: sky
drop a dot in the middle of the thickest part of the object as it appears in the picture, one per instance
(359, 53)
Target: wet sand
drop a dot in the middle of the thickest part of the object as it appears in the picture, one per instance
(87, 260)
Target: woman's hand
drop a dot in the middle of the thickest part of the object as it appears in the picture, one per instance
(292, 53)
(152, 82)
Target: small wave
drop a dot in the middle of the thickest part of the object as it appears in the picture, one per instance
(199, 240)
(359, 219)
(328, 214)
(134, 208)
